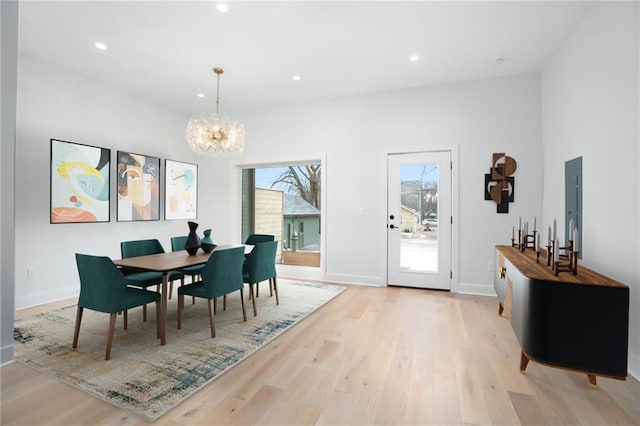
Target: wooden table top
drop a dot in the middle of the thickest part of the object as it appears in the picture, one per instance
(526, 263)
(165, 262)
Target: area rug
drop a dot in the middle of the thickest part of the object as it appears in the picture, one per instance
(144, 377)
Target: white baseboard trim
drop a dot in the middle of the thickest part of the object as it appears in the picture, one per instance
(633, 366)
(474, 289)
(308, 273)
(46, 297)
(6, 355)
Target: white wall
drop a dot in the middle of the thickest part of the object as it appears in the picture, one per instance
(351, 135)
(590, 109)
(354, 134)
(8, 75)
(55, 103)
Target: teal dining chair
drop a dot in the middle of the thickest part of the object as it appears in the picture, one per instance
(103, 288)
(177, 244)
(259, 238)
(260, 265)
(221, 275)
(146, 279)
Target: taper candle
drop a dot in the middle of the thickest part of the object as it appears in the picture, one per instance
(555, 235)
(537, 243)
(513, 232)
(534, 223)
(575, 239)
(549, 239)
(556, 251)
(519, 223)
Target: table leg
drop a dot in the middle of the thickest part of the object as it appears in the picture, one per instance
(163, 312)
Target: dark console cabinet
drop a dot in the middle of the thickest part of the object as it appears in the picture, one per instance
(577, 322)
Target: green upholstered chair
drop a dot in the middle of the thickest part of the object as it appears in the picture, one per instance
(259, 238)
(177, 244)
(146, 278)
(260, 265)
(103, 288)
(221, 275)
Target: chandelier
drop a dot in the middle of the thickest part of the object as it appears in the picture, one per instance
(215, 135)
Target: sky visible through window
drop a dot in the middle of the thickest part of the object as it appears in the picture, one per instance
(412, 172)
(267, 175)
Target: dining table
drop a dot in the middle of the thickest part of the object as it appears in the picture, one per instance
(165, 263)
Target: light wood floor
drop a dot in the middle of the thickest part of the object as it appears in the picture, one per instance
(371, 356)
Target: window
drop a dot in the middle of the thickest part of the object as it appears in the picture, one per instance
(284, 201)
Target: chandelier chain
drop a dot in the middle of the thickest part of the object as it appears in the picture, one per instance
(218, 94)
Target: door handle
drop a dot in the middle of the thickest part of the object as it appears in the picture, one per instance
(392, 226)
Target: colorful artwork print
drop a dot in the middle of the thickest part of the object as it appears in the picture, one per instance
(181, 190)
(138, 187)
(79, 183)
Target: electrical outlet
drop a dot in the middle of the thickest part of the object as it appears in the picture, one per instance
(32, 273)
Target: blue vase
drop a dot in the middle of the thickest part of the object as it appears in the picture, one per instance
(193, 241)
(207, 243)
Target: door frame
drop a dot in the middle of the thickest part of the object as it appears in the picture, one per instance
(455, 190)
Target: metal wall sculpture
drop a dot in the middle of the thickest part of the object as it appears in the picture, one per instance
(499, 185)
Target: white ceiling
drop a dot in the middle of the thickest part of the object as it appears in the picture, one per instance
(165, 51)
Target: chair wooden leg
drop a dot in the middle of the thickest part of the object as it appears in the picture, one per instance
(215, 305)
(144, 313)
(76, 332)
(275, 290)
(253, 300)
(270, 288)
(112, 327)
(257, 289)
(211, 320)
(125, 318)
(158, 316)
(180, 307)
(244, 308)
(224, 302)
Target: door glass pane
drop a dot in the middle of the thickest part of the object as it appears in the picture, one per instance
(419, 207)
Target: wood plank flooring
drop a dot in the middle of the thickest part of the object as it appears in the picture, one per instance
(371, 356)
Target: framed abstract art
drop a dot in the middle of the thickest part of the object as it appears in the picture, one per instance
(138, 187)
(79, 191)
(181, 190)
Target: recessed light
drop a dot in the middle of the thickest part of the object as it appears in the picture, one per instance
(200, 95)
(414, 58)
(100, 45)
(297, 77)
(222, 7)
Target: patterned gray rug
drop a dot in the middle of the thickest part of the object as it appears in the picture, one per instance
(149, 379)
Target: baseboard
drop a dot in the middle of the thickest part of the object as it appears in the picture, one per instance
(633, 366)
(316, 274)
(474, 289)
(6, 355)
(46, 297)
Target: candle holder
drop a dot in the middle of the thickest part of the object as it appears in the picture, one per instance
(537, 256)
(568, 262)
(549, 252)
(528, 241)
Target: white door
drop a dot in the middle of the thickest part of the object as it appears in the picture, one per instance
(419, 220)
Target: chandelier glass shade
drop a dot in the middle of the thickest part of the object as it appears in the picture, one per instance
(215, 135)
